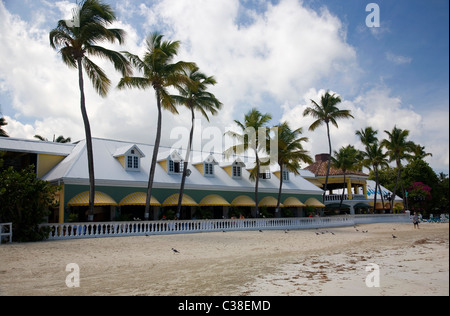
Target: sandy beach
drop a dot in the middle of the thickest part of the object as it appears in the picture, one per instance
(270, 263)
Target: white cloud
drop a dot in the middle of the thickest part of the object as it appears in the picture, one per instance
(398, 59)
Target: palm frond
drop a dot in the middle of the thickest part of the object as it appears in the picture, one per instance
(98, 77)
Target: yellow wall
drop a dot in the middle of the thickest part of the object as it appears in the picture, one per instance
(199, 166)
(47, 163)
(163, 164)
(228, 170)
(122, 160)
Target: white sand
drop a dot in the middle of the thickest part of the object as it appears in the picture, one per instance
(237, 263)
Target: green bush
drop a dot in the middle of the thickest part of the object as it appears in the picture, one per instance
(25, 201)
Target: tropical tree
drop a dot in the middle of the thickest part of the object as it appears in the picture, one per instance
(290, 153)
(345, 159)
(373, 157)
(419, 152)
(195, 97)
(253, 128)
(3, 122)
(59, 139)
(326, 112)
(75, 42)
(398, 149)
(160, 72)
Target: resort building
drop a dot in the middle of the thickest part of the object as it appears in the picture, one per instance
(352, 187)
(215, 187)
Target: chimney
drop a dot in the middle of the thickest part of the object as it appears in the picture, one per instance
(322, 157)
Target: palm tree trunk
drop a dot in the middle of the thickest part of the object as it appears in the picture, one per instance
(375, 169)
(329, 162)
(186, 160)
(90, 155)
(279, 190)
(396, 186)
(257, 181)
(154, 157)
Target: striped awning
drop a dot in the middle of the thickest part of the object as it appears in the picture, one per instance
(314, 202)
(213, 200)
(269, 201)
(243, 200)
(293, 202)
(82, 199)
(138, 198)
(173, 200)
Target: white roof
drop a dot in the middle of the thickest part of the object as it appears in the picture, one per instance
(35, 146)
(108, 171)
(371, 192)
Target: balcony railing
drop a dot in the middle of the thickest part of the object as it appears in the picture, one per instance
(143, 228)
(337, 197)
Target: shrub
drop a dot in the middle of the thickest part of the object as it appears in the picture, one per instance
(25, 201)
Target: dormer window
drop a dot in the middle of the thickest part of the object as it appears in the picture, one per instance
(285, 175)
(129, 157)
(208, 169)
(175, 163)
(265, 175)
(237, 171)
(175, 166)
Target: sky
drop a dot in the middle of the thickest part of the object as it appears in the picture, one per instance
(275, 56)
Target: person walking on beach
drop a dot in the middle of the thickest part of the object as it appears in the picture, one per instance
(415, 220)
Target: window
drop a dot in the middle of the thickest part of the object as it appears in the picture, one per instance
(208, 169)
(132, 162)
(236, 171)
(175, 166)
(285, 175)
(265, 175)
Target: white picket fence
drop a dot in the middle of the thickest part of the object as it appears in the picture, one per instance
(141, 228)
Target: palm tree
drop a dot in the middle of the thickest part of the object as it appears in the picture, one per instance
(419, 152)
(326, 112)
(160, 72)
(398, 148)
(75, 43)
(59, 139)
(254, 123)
(195, 97)
(3, 122)
(345, 159)
(290, 153)
(375, 158)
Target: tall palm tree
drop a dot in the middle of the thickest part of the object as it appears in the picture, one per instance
(326, 112)
(195, 97)
(159, 72)
(419, 152)
(3, 122)
(398, 148)
(345, 159)
(375, 158)
(290, 153)
(254, 123)
(75, 42)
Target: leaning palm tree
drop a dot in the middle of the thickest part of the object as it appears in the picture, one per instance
(159, 72)
(290, 153)
(398, 148)
(77, 41)
(254, 124)
(345, 159)
(326, 112)
(195, 97)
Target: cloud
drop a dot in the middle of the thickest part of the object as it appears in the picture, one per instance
(398, 59)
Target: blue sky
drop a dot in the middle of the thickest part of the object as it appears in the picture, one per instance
(274, 55)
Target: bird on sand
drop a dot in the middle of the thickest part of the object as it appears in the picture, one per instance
(175, 251)
(260, 231)
(393, 236)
